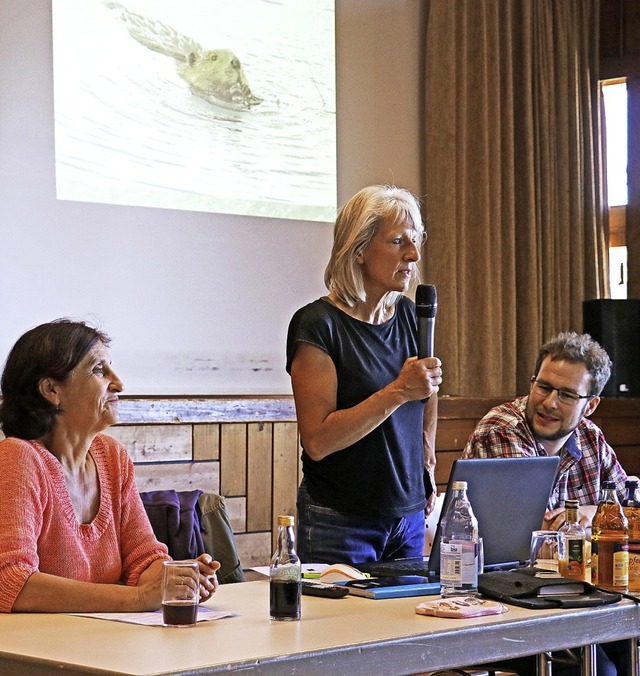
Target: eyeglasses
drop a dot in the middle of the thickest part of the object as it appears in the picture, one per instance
(564, 396)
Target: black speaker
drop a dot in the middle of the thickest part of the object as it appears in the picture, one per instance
(615, 324)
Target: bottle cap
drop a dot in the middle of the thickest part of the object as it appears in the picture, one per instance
(608, 485)
(631, 483)
(571, 504)
(459, 485)
(284, 520)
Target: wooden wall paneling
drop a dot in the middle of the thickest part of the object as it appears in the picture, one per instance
(237, 513)
(285, 471)
(444, 462)
(259, 476)
(461, 408)
(179, 476)
(453, 434)
(618, 407)
(206, 442)
(629, 458)
(233, 459)
(619, 419)
(619, 431)
(213, 409)
(155, 443)
(457, 418)
(254, 549)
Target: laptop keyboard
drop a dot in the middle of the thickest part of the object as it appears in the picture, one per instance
(420, 567)
(400, 567)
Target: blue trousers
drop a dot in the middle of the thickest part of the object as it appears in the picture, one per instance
(611, 660)
(328, 536)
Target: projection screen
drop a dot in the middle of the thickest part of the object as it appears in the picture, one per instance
(222, 106)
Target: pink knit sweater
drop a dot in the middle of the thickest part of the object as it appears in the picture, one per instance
(39, 530)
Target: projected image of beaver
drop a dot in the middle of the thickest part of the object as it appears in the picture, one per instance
(216, 75)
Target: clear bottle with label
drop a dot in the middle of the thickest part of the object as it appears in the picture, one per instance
(571, 550)
(459, 546)
(285, 574)
(610, 542)
(631, 507)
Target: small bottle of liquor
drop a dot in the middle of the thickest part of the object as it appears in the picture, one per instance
(571, 549)
(285, 574)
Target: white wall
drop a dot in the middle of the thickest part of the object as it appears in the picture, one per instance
(196, 303)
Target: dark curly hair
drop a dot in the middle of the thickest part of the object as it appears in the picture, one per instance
(579, 349)
(50, 350)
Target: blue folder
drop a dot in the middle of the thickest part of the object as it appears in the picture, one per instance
(392, 587)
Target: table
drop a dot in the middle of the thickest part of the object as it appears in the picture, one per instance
(353, 635)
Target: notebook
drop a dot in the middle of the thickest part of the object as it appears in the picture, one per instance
(508, 496)
(392, 587)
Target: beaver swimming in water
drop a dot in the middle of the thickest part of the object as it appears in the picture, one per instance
(215, 75)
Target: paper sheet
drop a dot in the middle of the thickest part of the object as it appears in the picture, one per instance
(152, 618)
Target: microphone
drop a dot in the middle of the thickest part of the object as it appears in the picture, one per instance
(426, 308)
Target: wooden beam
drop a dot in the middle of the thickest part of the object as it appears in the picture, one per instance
(177, 410)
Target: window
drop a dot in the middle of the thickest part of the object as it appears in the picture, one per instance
(615, 105)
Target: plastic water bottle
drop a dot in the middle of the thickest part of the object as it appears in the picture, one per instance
(459, 546)
(285, 573)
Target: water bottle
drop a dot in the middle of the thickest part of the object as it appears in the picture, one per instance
(459, 546)
(285, 574)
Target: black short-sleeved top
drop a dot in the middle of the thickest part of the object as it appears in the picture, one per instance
(383, 473)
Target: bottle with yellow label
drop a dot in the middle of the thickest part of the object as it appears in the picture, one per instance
(631, 507)
(610, 542)
(571, 550)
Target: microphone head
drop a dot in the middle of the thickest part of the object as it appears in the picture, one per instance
(426, 300)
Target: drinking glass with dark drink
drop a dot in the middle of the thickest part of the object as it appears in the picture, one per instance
(180, 593)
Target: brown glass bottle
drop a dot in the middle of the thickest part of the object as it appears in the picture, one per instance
(571, 553)
(610, 542)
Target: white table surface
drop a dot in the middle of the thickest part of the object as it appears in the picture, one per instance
(335, 636)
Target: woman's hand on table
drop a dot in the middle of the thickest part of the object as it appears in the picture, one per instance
(208, 577)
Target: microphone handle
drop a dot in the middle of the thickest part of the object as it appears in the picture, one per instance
(426, 326)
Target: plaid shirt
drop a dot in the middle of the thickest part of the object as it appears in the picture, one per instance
(586, 459)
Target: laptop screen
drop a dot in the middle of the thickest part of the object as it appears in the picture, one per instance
(509, 498)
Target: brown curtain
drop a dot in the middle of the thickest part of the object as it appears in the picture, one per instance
(513, 183)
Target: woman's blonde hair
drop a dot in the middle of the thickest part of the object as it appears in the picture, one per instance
(355, 227)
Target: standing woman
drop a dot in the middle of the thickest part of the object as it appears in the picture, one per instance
(368, 436)
(74, 536)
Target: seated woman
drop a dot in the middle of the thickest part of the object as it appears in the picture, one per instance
(74, 536)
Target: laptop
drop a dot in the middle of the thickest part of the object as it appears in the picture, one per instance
(509, 498)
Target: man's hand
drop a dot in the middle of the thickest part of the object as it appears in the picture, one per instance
(555, 518)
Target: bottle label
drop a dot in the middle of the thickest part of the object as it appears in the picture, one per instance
(286, 574)
(458, 563)
(621, 566)
(634, 566)
(574, 565)
(610, 563)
